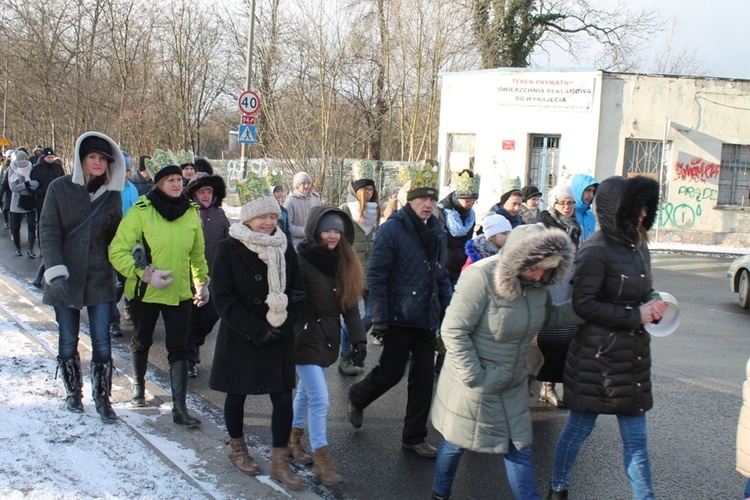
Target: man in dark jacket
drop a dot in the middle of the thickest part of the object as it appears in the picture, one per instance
(409, 289)
(141, 179)
(44, 172)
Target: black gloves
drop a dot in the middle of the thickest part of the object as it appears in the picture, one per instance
(269, 337)
(139, 254)
(27, 184)
(59, 288)
(359, 353)
(379, 329)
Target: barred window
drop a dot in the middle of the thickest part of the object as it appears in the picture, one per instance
(734, 176)
(642, 157)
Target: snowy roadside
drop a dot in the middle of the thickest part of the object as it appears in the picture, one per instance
(48, 452)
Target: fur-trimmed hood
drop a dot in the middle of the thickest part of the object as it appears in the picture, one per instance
(527, 245)
(116, 168)
(203, 179)
(618, 205)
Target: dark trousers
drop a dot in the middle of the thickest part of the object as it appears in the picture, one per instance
(202, 321)
(15, 227)
(397, 344)
(176, 320)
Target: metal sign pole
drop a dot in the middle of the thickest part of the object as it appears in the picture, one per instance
(249, 67)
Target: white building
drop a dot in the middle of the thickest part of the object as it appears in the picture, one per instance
(530, 125)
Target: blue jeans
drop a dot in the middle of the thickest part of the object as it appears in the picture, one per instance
(634, 451)
(311, 404)
(346, 344)
(518, 467)
(747, 489)
(69, 323)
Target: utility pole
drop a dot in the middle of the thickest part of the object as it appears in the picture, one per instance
(249, 68)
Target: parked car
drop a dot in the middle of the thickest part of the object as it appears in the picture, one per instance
(739, 279)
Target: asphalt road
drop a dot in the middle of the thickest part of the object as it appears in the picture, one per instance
(697, 375)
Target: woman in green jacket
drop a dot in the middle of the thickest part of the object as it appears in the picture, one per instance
(159, 248)
(363, 207)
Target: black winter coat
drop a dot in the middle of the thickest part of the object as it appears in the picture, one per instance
(84, 254)
(608, 367)
(406, 288)
(239, 287)
(44, 173)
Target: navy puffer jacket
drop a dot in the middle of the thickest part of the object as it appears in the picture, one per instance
(407, 288)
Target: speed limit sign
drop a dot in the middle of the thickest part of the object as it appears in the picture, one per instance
(249, 102)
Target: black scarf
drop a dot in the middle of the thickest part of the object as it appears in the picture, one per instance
(327, 261)
(553, 218)
(168, 207)
(427, 232)
(95, 183)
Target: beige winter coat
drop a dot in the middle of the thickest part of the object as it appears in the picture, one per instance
(743, 428)
(482, 401)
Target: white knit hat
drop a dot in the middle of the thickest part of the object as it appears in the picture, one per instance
(561, 192)
(259, 206)
(495, 224)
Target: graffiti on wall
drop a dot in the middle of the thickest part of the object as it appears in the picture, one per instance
(694, 187)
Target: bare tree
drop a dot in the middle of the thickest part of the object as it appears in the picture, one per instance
(508, 31)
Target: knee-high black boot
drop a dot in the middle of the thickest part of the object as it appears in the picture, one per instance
(140, 364)
(101, 381)
(73, 380)
(178, 378)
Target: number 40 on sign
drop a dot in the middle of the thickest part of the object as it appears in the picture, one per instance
(249, 102)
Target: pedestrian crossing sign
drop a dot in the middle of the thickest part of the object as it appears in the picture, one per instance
(247, 134)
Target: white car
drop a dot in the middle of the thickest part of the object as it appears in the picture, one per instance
(739, 279)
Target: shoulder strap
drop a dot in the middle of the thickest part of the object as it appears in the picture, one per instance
(88, 217)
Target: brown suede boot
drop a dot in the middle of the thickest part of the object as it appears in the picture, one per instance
(240, 457)
(324, 471)
(281, 471)
(296, 450)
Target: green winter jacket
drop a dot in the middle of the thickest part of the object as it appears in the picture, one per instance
(176, 246)
(482, 400)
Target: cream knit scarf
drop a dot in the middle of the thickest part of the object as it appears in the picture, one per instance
(270, 249)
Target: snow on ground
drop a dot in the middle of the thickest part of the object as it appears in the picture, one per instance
(48, 452)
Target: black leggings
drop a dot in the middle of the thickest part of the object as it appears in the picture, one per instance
(281, 416)
(15, 226)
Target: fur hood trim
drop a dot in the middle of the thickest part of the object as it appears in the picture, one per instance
(528, 245)
(618, 205)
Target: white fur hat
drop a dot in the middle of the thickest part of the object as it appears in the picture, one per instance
(561, 192)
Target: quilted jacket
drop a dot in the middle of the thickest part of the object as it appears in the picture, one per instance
(482, 400)
(608, 368)
(406, 288)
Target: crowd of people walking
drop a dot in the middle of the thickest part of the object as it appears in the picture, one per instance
(551, 287)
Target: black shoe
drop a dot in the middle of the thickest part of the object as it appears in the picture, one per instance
(115, 330)
(18, 252)
(355, 414)
(192, 371)
(30, 254)
(557, 495)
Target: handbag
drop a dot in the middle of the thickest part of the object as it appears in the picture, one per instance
(27, 201)
(38, 280)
